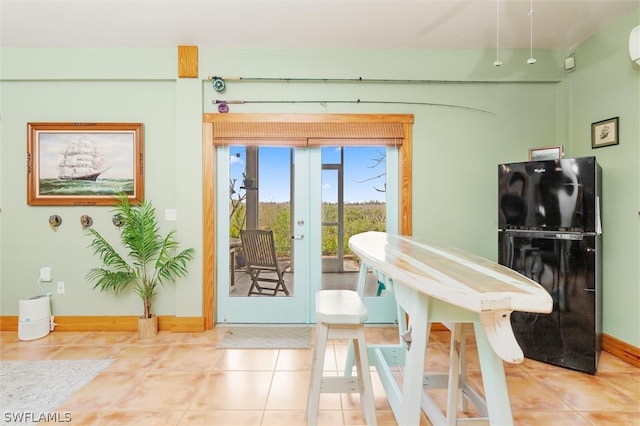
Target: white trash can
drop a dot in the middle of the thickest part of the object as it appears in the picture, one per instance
(34, 317)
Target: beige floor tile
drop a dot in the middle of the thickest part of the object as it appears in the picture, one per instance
(100, 338)
(583, 392)
(354, 417)
(9, 337)
(84, 352)
(289, 390)
(221, 417)
(161, 390)
(440, 398)
(381, 335)
(21, 351)
(75, 418)
(619, 418)
(351, 401)
(440, 338)
(512, 368)
(294, 359)
(101, 392)
(247, 360)
(330, 418)
(59, 338)
(209, 337)
(233, 390)
(136, 358)
(471, 356)
(181, 378)
(183, 357)
(163, 338)
(527, 394)
(550, 418)
(626, 382)
(139, 417)
(436, 360)
(285, 418)
(383, 418)
(608, 363)
(533, 366)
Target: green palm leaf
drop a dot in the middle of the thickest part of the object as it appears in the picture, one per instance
(150, 260)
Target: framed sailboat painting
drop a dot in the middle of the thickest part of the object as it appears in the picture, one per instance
(84, 164)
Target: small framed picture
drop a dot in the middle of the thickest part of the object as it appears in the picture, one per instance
(546, 153)
(604, 133)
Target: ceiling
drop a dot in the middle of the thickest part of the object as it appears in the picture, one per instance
(305, 23)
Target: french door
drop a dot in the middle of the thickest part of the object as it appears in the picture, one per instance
(277, 143)
(299, 195)
(261, 196)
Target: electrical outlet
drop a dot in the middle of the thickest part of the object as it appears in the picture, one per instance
(60, 287)
(45, 273)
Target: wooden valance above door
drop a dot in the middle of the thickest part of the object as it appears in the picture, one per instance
(309, 129)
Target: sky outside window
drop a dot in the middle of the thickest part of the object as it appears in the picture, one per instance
(364, 173)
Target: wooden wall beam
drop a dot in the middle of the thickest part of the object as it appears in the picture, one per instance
(188, 61)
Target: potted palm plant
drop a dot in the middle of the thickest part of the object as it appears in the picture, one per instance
(151, 259)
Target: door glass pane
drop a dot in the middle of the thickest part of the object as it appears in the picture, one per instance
(353, 201)
(260, 198)
(331, 220)
(331, 155)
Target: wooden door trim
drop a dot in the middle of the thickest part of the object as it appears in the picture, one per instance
(209, 183)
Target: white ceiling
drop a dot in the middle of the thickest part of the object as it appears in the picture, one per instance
(305, 23)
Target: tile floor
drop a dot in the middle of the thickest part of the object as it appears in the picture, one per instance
(182, 379)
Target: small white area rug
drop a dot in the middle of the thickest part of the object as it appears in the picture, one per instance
(266, 338)
(31, 390)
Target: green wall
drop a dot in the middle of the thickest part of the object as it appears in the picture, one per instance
(487, 116)
(606, 84)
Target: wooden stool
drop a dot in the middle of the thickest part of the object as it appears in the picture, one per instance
(340, 314)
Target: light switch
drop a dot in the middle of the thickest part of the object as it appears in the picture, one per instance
(170, 215)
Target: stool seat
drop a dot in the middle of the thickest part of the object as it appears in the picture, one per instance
(340, 314)
(340, 307)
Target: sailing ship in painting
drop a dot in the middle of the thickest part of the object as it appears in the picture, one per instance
(81, 161)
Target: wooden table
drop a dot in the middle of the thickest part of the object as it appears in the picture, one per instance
(435, 283)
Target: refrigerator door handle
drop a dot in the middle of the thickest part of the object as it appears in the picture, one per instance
(550, 235)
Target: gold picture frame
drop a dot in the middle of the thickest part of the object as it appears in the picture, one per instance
(84, 164)
(605, 133)
(546, 153)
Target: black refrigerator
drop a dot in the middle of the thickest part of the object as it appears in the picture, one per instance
(549, 230)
